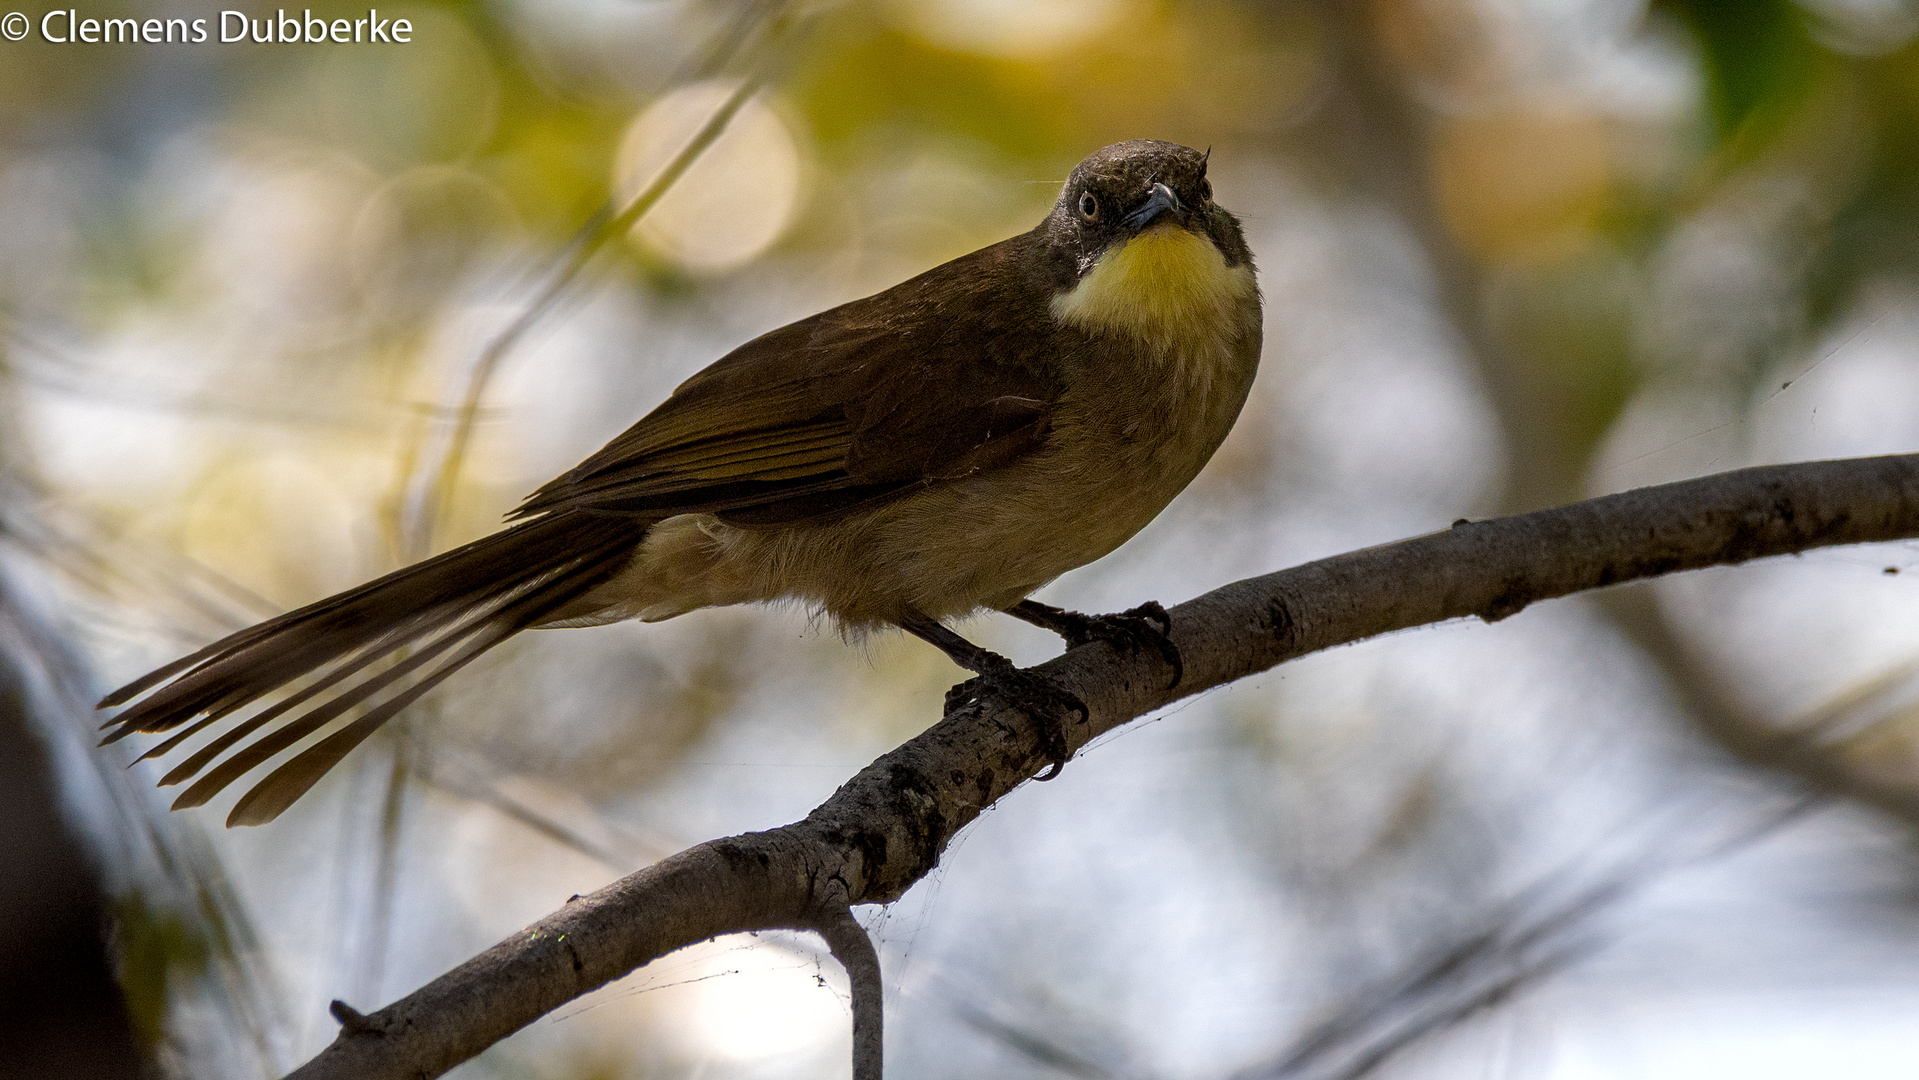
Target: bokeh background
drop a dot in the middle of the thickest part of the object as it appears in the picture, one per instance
(1515, 253)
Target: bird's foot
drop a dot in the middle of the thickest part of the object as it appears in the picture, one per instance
(1129, 631)
(1039, 697)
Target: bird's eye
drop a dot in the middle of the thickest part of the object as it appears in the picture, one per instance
(1205, 190)
(1089, 206)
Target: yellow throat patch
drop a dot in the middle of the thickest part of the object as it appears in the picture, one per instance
(1166, 286)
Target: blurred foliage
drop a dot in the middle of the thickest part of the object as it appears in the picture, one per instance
(1573, 213)
(155, 948)
(1759, 56)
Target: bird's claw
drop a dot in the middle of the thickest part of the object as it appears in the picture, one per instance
(1035, 695)
(1130, 630)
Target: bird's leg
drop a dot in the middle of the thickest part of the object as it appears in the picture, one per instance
(1035, 695)
(1131, 630)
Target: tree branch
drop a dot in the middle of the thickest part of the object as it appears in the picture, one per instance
(885, 828)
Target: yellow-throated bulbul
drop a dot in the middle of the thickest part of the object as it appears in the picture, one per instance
(946, 446)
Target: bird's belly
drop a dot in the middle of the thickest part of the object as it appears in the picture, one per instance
(988, 543)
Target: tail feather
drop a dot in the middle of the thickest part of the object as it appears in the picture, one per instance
(266, 799)
(266, 746)
(401, 606)
(226, 675)
(187, 769)
(359, 644)
(164, 748)
(161, 674)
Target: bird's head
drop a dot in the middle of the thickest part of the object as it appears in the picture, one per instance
(1136, 244)
(1134, 188)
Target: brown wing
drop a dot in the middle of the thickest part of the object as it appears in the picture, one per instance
(942, 376)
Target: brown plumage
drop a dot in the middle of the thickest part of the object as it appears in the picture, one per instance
(950, 444)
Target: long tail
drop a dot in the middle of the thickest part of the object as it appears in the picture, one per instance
(399, 635)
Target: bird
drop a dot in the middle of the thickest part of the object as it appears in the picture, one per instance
(939, 449)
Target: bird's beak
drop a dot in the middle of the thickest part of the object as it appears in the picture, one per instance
(1159, 199)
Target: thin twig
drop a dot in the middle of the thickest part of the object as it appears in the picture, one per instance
(1041, 1047)
(1539, 931)
(425, 501)
(1793, 750)
(384, 893)
(854, 950)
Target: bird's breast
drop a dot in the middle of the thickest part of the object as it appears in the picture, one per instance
(1170, 292)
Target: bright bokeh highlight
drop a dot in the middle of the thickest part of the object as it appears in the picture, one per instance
(734, 202)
